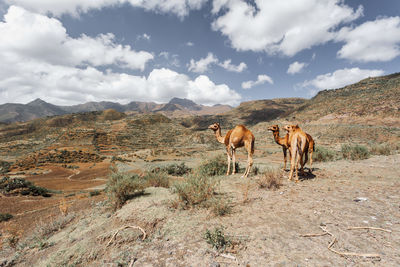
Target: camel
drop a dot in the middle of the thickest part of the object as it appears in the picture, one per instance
(297, 143)
(284, 142)
(237, 137)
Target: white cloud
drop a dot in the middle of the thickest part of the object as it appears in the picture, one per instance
(171, 60)
(296, 67)
(30, 36)
(39, 59)
(189, 44)
(180, 8)
(377, 40)
(230, 67)
(340, 78)
(144, 36)
(277, 26)
(261, 79)
(202, 64)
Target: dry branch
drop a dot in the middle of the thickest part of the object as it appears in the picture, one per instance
(370, 228)
(125, 227)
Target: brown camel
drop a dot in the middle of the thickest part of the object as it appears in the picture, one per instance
(237, 137)
(282, 141)
(297, 143)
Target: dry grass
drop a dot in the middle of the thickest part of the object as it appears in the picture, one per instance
(355, 152)
(270, 179)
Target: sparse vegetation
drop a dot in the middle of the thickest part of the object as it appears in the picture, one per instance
(217, 239)
(5, 217)
(271, 179)
(175, 169)
(15, 186)
(94, 193)
(355, 152)
(195, 190)
(322, 154)
(380, 149)
(220, 206)
(122, 187)
(4, 167)
(156, 179)
(215, 166)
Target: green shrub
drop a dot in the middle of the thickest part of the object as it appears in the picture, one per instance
(122, 187)
(5, 217)
(215, 166)
(217, 239)
(195, 190)
(322, 154)
(356, 152)
(381, 149)
(271, 179)
(156, 179)
(174, 169)
(22, 186)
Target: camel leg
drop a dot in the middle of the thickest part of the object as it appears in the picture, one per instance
(293, 154)
(249, 159)
(311, 160)
(298, 159)
(229, 161)
(233, 161)
(284, 157)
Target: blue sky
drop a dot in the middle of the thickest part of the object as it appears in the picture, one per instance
(217, 51)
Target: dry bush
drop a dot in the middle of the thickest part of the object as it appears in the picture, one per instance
(220, 206)
(156, 178)
(5, 217)
(12, 235)
(322, 154)
(195, 190)
(175, 169)
(380, 149)
(355, 152)
(215, 166)
(122, 187)
(271, 179)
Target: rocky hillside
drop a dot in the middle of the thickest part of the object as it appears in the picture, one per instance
(373, 97)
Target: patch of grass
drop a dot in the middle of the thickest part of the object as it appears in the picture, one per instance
(215, 166)
(217, 239)
(380, 149)
(94, 193)
(122, 187)
(5, 217)
(220, 206)
(355, 152)
(195, 190)
(4, 167)
(322, 154)
(176, 169)
(22, 187)
(156, 179)
(271, 179)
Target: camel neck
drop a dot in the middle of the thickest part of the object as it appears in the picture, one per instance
(219, 136)
(278, 140)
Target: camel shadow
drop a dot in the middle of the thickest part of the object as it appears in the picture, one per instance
(307, 175)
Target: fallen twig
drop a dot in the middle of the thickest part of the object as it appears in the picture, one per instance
(125, 227)
(370, 228)
(228, 256)
(313, 235)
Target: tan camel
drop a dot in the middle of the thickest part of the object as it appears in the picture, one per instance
(234, 138)
(297, 144)
(282, 141)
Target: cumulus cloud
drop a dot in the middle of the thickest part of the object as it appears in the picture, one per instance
(376, 40)
(261, 79)
(203, 64)
(180, 8)
(39, 59)
(296, 67)
(31, 36)
(340, 78)
(285, 27)
(189, 44)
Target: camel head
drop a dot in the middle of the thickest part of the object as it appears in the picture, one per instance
(273, 128)
(215, 126)
(290, 128)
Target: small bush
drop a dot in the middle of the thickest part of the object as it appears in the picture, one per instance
(195, 190)
(215, 166)
(220, 207)
(270, 179)
(22, 186)
(177, 169)
(156, 179)
(381, 149)
(4, 167)
(5, 217)
(322, 154)
(356, 152)
(122, 187)
(217, 239)
(94, 193)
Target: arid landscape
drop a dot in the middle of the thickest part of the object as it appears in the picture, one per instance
(62, 178)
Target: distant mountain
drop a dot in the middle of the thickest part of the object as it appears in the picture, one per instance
(38, 108)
